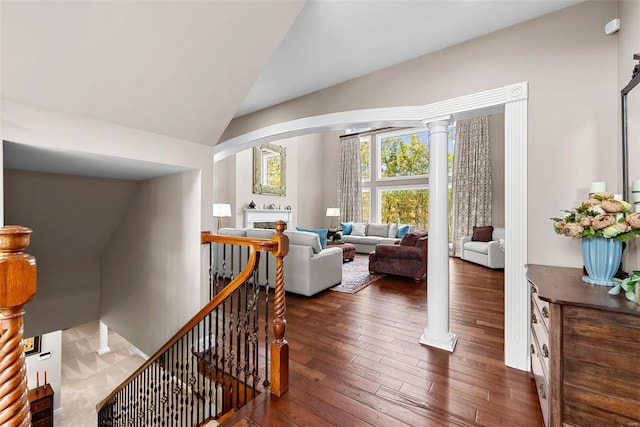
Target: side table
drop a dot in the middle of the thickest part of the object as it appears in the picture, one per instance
(331, 232)
(41, 401)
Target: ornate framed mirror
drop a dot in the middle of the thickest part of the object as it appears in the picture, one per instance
(270, 170)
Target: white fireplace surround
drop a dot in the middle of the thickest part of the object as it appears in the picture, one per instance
(251, 216)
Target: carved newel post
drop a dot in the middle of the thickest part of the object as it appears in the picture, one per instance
(17, 287)
(280, 346)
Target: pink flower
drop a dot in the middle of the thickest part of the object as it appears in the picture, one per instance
(612, 206)
(591, 202)
(603, 221)
(634, 220)
(572, 230)
(586, 222)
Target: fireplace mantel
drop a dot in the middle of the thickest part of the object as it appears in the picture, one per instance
(251, 216)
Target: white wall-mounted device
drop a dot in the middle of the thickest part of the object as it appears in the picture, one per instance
(612, 26)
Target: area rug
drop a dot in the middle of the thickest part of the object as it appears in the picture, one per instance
(355, 275)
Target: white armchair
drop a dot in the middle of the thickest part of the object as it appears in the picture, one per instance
(308, 269)
(490, 254)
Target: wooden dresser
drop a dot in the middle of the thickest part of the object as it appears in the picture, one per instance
(585, 350)
(41, 401)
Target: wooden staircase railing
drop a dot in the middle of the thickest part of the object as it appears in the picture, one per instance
(213, 365)
(17, 287)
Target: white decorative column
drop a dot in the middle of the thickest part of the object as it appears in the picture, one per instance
(437, 333)
(103, 339)
(516, 287)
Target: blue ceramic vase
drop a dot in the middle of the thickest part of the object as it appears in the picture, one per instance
(601, 259)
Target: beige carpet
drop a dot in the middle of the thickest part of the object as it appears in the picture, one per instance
(87, 377)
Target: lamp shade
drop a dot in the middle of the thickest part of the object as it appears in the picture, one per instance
(221, 210)
(333, 211)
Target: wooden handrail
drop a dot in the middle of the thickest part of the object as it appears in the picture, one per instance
(17, 287)
(279, 243)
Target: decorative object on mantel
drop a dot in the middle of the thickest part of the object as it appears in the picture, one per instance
(628, 284)
(603, 223)
(252, 205)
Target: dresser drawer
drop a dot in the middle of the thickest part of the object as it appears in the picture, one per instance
(47, 422)
(543, 308)
(541, 380)
(541, 335)
(40, 405)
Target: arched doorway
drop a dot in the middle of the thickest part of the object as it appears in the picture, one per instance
(513, 100)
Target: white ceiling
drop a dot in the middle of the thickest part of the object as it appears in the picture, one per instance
(335, 41)
(185, 68)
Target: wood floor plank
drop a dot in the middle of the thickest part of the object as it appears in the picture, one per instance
(356, 359)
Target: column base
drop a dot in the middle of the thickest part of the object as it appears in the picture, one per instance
(102, 351)
(446, 342)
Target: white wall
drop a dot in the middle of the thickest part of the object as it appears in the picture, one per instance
(224, 187)
(571, 67)
(176, 222)
(33, 126)
(305, 177)
(150, 271)
(49, 343)
(72, 218)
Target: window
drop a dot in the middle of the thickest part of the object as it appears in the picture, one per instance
(405, 205)
(403, 155)
(398, 190)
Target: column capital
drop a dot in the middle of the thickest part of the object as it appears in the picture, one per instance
(438, 122)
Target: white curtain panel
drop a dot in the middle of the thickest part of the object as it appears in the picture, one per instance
(471, 179)
(349, 185)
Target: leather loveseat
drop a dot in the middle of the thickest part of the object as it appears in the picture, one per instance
(407, 258)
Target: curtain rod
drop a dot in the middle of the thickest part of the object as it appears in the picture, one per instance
(366, 131)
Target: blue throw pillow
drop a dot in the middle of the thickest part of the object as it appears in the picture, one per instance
(346, 227)
(402, 230)
(321, 232)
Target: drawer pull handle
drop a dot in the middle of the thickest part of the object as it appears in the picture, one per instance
(545, 312)
(543, 393)
(533, 349)
(534, 319)
(545, 350)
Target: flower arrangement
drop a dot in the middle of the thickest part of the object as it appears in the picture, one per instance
(599, 216)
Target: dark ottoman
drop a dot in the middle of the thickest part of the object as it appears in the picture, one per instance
(348, 250)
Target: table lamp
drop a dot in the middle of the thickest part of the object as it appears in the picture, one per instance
(333, 213)
(221, 210)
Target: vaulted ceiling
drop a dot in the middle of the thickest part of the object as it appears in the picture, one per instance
(185, 68)
(176, 68)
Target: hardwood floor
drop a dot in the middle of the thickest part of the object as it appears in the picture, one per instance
(355, 360)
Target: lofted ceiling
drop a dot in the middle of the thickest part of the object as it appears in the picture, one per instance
(175, 68)
(185, 68)
(334, 41)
